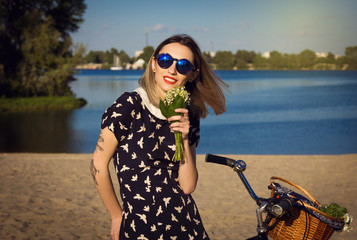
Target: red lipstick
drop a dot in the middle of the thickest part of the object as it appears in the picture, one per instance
(169, 80)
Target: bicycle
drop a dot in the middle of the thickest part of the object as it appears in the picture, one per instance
(288, 215)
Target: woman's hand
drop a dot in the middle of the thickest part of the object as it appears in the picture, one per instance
(180, 122)
(187, 173)
(114, 232)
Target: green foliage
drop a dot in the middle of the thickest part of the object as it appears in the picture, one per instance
(351, 52)
(260, 62)
(207, 57)
(242, 64)
(276, 60)
(307, 59)
(95, 57)
(40, 103)
(224, 60)
(334, 210)
(245, 56)
(168, 110)
(35, 47)
(351, 57)
(147, 53)
(124, 58)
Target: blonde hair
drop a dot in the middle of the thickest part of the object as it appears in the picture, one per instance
(205, 90)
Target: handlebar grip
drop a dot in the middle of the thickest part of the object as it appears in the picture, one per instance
(219, 160)
(283, 206)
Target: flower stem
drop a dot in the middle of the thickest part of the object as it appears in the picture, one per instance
(179, 149)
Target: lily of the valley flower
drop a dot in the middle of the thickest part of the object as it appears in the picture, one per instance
(175, 98)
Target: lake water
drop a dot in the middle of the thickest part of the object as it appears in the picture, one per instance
(268, 112)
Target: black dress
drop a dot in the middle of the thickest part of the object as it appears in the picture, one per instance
(154, 205)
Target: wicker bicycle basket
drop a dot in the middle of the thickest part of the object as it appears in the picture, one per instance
(304, 221)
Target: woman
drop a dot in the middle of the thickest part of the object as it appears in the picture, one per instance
(154, 189)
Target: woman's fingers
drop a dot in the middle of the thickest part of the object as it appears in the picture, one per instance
(180, 122)
(182, 115)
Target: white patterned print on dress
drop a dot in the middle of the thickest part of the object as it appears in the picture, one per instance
(154, 205)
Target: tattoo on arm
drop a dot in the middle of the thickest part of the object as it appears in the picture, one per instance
(100, 140)
(93, 171)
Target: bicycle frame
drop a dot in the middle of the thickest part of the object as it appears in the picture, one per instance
(271, 205)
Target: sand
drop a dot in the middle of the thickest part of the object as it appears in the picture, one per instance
(52, 196)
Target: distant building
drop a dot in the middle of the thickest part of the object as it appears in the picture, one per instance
(266, 55)
(210, 53)
(321, 55)
(138, 53)
(139, 64)
(90, 66)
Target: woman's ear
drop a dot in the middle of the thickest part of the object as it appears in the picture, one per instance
(153, 64)
(193, 75)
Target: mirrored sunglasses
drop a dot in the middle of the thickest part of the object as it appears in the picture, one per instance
(183, 66)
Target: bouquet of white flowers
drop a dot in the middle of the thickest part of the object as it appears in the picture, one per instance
(175, 98)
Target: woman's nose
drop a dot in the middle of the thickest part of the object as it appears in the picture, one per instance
(172, 68)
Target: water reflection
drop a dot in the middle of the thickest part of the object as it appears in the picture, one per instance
(45, 131)
(100, 94)
(66, 131)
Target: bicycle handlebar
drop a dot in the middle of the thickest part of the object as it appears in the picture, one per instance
(238, 166)
(276, 205)
(220, 160)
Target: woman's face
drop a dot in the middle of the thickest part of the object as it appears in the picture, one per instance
(169, 78)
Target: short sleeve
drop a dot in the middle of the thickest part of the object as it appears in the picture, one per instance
(194, 134)
(119, 116)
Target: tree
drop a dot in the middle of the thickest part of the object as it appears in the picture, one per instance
(240, 64)
(260, 62)
(307, 59)
(351, 57)
(351, 52)
(291, 61)
(35, 46)
(330, 57)
(245, 56)
(276, 60)
(147, 53)
(95, 57)
(124, 58)
(207, 57)
(224, 60)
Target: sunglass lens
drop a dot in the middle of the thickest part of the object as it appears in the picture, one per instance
(184, 66)
(165, 60)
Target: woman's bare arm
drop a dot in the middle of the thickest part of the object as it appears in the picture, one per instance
(102, 155)
(188, 174)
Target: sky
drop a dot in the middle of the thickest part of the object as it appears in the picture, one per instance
(262, 26)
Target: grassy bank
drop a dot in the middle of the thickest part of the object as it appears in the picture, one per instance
(40, 103)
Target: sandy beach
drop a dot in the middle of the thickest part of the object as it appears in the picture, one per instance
(52, 196)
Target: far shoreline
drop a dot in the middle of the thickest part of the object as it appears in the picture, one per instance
(28, 104)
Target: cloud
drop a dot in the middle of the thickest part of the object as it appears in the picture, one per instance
(160, 28)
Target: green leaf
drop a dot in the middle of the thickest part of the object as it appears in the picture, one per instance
(164, 109)
(334, 210)
(178, 102)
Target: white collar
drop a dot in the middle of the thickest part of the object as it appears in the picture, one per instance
(154, 110)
